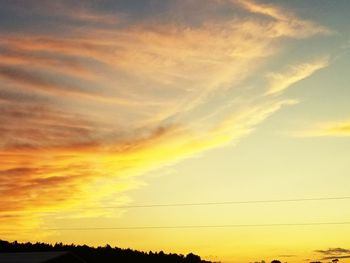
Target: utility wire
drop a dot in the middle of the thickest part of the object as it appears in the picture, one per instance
(198, 226)
(229, 202)
(191, 204)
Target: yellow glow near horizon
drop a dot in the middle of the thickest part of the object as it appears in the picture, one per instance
(118, 104)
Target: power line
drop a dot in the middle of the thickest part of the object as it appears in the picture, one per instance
(228, 202)
(191, 204)
(199, 226)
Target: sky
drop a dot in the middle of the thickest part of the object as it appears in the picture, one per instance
(106, 106)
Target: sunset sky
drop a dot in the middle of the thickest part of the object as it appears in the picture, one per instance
(112, 104)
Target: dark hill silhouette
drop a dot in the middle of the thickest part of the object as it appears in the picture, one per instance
(106, 254)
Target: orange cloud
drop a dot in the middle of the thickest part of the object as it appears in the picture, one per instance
(65, 65)
(85, 108)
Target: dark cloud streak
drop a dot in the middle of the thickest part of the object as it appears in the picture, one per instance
(332, 251)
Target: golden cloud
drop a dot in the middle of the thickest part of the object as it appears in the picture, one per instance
(336, 129)
(88, 107)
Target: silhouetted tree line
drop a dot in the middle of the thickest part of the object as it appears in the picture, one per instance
(104, 254)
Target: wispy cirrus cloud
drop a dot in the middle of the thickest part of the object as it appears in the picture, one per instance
(93, 105)
(327, 129)
(279, 82)
(285, 23)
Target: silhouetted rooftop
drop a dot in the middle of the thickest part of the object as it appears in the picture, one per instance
(39, 257)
